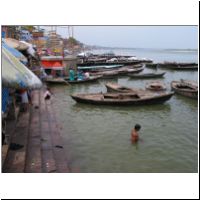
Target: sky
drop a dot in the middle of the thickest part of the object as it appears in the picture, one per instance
(175, 37)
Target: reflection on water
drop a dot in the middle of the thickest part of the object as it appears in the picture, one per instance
(97, 138)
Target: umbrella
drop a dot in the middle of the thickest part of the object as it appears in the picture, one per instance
(16, 44)
(30, 50)
(15, 52)
(15, 74)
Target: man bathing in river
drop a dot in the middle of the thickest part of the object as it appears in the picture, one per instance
(135, 133)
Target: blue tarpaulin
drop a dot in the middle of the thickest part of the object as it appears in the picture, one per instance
(15, 74)
(15, 52)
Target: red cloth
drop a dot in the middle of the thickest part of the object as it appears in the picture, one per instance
(54, 63)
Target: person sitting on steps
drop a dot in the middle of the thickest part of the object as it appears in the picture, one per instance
(47, 94)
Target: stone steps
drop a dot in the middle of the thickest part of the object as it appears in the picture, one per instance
(15, 160)
(33, 158)
(38, 131)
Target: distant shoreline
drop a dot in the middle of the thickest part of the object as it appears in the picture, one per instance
(145, 49)
(138, 48)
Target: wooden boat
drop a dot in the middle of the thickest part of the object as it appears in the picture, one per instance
(58, 80)
(87, 80)
(181, 64)
(134, 66)
(184, 68)
(116, 88)
(128, 70)
(122, 99)
(185, 88)
(178, 66)
(118, 68)
(173, 66)
(99, 68)
(151, 65)
(92, 63)
(156, 86)
(192, 84)
(114, 73)
(105, 74)
(147, 75)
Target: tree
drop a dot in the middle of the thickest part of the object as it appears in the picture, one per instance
(72, 41)
(29, 28)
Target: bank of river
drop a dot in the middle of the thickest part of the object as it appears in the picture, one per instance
(97, 138)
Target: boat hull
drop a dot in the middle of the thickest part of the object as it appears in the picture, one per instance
(174, 66)
(184, 68)
(184, 92)
(130, 102)
(111, 63)
(56, 81)
(146, 76)
(179, 66)
(93, 79)
(118, 72)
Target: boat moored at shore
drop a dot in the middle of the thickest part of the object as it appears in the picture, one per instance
(185, 88)
(122, 99)
(58, 80)
(86, 80)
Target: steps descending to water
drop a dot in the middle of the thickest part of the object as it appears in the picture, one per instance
(42, 145)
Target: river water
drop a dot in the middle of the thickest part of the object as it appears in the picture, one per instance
(97, 138)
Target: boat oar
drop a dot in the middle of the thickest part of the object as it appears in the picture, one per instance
(67, 83)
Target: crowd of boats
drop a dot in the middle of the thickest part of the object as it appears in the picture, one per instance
(93, 74)
(90, 59)
(154, 92)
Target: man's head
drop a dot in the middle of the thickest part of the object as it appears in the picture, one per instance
(137, 127)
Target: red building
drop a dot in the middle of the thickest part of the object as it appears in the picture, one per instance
(53, 65)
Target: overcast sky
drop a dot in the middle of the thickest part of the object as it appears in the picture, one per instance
(136, 36)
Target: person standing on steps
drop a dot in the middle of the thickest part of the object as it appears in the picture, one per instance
(24, 100)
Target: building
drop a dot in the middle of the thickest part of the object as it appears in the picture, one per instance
(10, 32)
(55, 43)
(53, 65)
(57, 66)
(38, 34)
